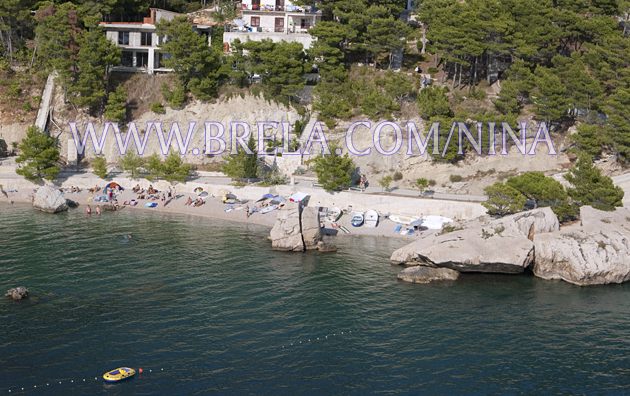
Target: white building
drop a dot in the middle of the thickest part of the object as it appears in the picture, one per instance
(140, 43)
(278, 20)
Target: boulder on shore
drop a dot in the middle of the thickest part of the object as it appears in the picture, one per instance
(297, 229)
(595, 252)
(420, 274)
(485, 245)
(311, 228)
(50, 200)
(17, 293)
(286, 234)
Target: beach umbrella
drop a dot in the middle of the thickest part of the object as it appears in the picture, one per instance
(113, 186)
(198, 190)
(278, 200)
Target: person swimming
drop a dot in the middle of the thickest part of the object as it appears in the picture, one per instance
(88, 210)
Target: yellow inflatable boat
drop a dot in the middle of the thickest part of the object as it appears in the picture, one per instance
(119, 374)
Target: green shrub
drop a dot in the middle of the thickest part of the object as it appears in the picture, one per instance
(546, 192)
(455, 178)
(503, 200)
(433, 102)
(157, 108)
(99, 167)
(131, 163)
(176, 97)
(385, 182)
(397, 176)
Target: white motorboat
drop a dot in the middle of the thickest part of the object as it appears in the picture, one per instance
(371, 219)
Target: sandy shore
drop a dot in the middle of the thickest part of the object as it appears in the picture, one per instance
(212, 209)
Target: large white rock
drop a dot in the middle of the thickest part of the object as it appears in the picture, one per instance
(472, 250)
(421, 274)
(286, 234)
(50, 200)
(531, 223)
(297, 230)
(595, 252)
(311, 228)
(484, 245)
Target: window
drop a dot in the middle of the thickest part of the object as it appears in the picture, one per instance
(126, 59)
(142, 59)
(123, 38)
(279, 25)
(255, 4)
(255, 21)
(146, 38)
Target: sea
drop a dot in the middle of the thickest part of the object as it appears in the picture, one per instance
(205, 307)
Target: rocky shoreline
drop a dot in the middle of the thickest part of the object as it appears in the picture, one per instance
(595, 251)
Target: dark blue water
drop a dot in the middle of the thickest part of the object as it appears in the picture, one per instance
(210, 309)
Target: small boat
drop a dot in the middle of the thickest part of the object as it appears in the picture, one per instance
(371, 219)
(404, 220)
(333, 214)
(357, 219)
(119, 374)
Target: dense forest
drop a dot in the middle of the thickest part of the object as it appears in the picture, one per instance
(565, 62)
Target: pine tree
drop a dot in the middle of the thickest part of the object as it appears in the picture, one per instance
(57, 35)
(503, 200)
(334, 171)
(95, 55)
(131, 163)
(39, 156)
(99, 167)
(174, 169)
(195, 63)
(592, 188)
(242, 165)
(116, 108)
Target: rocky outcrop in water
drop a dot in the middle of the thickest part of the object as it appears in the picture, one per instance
(298, 229)
(420, 274)
(17, 293)
(594, 252)
(286, 234)
(484, 245)
(311, 228)
(50, 200)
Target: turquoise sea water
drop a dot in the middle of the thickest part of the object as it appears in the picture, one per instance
(212, 306)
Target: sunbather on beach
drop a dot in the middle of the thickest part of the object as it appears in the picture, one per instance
(189, 201)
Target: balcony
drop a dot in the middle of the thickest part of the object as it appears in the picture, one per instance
(279, 9)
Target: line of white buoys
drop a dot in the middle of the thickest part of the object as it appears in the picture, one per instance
(315, 339)
(16, 389)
